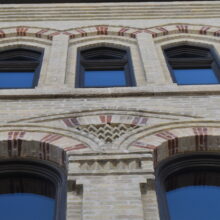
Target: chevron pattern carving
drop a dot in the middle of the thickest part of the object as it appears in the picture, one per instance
(110, 165)
(107, 132)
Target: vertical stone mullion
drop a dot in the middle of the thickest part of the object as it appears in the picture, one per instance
(57, 61)
(150, 59)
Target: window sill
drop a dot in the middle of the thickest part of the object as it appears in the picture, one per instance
(149, 90)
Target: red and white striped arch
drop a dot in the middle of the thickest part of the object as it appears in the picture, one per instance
(121, 31)
(38, 145)
(172, 142)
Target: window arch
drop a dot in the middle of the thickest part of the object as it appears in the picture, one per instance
(188, 187)
(19, 68)
(104, 66)
(192, 65)
(34, 190)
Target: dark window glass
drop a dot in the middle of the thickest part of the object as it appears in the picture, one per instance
(104, 78)
(195, 76)
(104, 67)
(19, 68)
(10, 80)
(193, 195)
(23, 206)
(26, 197)
(194, 202)
(32, 191)
(190, 65)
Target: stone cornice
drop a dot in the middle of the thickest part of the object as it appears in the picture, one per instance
(81, 1)
(100, 11)
(147, 91)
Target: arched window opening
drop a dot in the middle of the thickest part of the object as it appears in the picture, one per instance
(31, 191)
(192, 65)
(189, 188)
(19, 68)
(104, 67)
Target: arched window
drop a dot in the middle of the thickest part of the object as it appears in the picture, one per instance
(189, 188)
(19, 68)
(192, 65)
(104, 67)
(31, 191)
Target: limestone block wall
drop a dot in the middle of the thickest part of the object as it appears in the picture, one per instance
(109, 140)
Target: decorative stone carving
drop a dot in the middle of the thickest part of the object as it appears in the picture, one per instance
(110, 165)
(107, 132)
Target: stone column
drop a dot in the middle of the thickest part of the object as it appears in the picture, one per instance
(57, 61)
(150, 59)
(112, 198)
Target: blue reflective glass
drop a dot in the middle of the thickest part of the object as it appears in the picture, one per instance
(194, 203)
(104, 78)
(15, 80)
(26, 206)
(195, 76)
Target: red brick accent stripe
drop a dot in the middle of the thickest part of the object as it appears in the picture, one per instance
(50, 138)
(105, 29)
(15, 143)
(2, 34)
(39, 33)
(76, 147)
(50, 36)
(102, 118)
(217, 33)
(12, 135)
(102, 30)
(44, 153)
(136, 120)
(139, 120)
(204, 30)
(21, 31)
(82, 32)
(163, 30)
(45, 145)
(134, 34)
(201, 138)
(172, 141)
(144, 120)
(167, 135)
(182, 28)
(71, 122)
(105, 118)
(71, 36)
(143, 145)
(108, 118)
(122, 31)
(154, 34)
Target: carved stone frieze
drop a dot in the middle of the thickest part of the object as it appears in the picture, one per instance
(107, 132)
(110, 164)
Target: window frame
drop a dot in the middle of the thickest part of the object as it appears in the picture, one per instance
(177, 164)
(44, 169)
(211, 61)
(33, 65)
(109, 64)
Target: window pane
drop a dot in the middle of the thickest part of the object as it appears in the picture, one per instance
(194, 202)
(17, 80)
(26, 206)
(195, 76)
(104, 78)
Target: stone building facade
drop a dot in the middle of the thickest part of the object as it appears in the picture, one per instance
(109, 141)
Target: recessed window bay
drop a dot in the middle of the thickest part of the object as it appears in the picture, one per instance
(193, 195)
(26, 197)
(192, 65)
